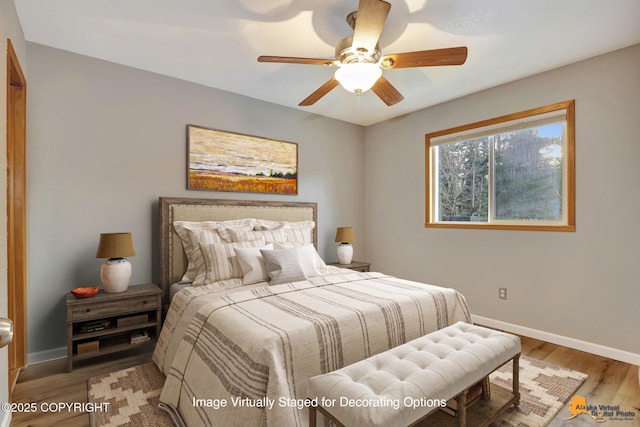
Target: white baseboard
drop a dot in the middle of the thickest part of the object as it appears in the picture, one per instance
(589, 347)
(45, 356)
(5, 419)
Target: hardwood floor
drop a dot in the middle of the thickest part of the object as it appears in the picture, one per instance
(610, 383)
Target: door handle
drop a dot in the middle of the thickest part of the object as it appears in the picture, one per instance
(6, 331)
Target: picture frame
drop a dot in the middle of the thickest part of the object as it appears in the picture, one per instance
(219, 160)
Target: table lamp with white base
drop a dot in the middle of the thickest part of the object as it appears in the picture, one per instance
(115, 273)
(345, 237)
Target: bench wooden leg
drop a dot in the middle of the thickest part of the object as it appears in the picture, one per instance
(312, 416)
(516, 378)
(313, 411)
(462, 408)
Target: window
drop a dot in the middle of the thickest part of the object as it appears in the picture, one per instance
(511, 172)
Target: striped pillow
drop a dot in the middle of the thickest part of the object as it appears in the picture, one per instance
(219, 233)
(221, 261)
(319, 264)
(269, 236)
(297, 231)
(201, 237)
(184, 230)
(265, 224)
(227, 227)
(283, 266)
(299, 234)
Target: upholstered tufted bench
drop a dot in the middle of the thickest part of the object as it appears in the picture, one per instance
(401, 386)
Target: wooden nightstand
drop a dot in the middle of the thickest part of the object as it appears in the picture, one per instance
(110, 323)
(355, 265)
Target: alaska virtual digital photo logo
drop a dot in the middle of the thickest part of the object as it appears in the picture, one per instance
(600, 413)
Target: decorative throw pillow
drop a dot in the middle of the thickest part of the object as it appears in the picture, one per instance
(283, 266)
(310, 250)
(199, 237)
(191, 246)
(221, 261)
(252, 264)
(219, 233)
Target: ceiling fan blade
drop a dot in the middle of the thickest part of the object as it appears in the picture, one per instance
(319, 93)
(425, 58)
(370, 20)
(294, 60)
(387, 92)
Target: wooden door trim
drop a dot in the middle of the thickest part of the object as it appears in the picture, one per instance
(16, 213)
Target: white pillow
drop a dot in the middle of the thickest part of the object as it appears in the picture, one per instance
(252, 264)
(221, 261)
(283, 266)
(308, 252)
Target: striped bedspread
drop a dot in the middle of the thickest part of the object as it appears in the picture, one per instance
(243, 357)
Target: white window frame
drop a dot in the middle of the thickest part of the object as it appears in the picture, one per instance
(525, 119)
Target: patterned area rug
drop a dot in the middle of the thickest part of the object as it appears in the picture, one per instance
(133, 395)
(544, 390)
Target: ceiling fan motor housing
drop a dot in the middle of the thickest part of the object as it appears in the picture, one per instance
(346, 53)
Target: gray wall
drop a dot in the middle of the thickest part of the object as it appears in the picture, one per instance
(582, 285)
(105, 141)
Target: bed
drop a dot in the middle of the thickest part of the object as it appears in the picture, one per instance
(240, 353)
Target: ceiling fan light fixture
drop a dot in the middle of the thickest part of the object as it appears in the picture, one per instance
(358, 77)
(360, 59)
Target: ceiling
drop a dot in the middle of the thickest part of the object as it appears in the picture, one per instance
(216, 43)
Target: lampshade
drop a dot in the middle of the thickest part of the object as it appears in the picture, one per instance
(115, 245)
(358, 77)
(345, 235)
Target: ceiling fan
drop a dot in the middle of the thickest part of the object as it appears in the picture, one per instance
(360, 61)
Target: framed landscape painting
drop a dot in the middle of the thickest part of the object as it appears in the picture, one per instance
(227, 161)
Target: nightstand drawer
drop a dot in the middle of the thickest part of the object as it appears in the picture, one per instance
(110, 308)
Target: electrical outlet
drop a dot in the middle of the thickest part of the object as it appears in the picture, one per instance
(502, 293)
